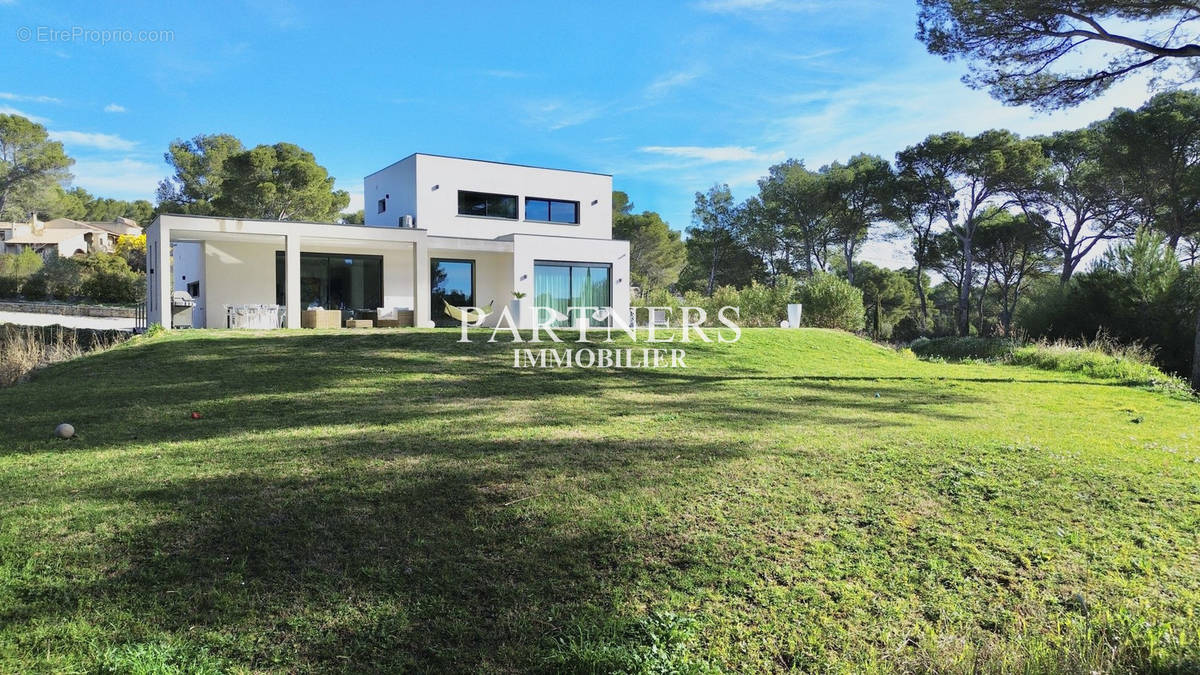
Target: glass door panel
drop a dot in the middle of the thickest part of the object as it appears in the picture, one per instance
(552, 288)
(453, 282)
(563, 286)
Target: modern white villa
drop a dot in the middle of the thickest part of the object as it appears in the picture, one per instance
(439, 230)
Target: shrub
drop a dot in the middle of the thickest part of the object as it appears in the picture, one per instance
(766, 305)
(1101, 357)
(109, 279)
(35, 288)
(10, 287)
(906, 330)
(20, 265)
(955, 348)
(831, 302)
(1124, 298)
(133, 250)
(59, 278)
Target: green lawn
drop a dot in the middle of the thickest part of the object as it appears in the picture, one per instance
(399, 501)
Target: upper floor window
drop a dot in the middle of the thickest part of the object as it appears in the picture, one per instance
(382, 206)
(552, 210)
(485, 204)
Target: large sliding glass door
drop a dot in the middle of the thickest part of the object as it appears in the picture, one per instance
(561, 286)
(351, 283)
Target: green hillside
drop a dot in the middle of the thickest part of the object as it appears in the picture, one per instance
(397, 500)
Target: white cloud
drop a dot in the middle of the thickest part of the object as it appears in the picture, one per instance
(713, 154)
(119, 179)
(91, 140)
(9, 110)
(114, 108)
(884, 116)
(557, 115)
(7, 96)
(666, 83)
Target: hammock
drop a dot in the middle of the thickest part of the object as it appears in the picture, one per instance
(471, 316)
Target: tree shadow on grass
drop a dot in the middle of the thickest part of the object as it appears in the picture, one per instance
(272, 383)
(432, 565)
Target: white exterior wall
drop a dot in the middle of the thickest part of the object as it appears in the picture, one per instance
(244, 273)
(528, 249)
(237, 273)
(395, 185)
(493, 277)
(429, 184)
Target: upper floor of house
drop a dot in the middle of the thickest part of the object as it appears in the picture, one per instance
(454, 197)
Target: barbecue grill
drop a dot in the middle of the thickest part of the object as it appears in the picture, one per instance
(181, 309)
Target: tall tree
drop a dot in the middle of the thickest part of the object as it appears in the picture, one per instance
(762, 234)
(914, 205)
(278, 182)
(794, 198)
(856, 194)
(946, 258)
(79, 204)
(1196, 357)
(1021, 50)
(199, 172)
(1015, 249)
(1156, 149)
(1084, 201)
(714, 221)
(31, 167)
(891, 290)
(656, 252)
(983, 172)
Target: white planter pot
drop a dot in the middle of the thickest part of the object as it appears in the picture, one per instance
(514, 310)
(794, 314)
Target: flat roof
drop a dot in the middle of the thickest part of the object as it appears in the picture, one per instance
(486, 161)
(269, 220)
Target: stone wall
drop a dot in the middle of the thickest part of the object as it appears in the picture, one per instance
(68, 310)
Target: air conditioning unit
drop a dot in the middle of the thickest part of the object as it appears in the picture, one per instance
(407, 221)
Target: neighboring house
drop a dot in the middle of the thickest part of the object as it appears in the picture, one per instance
(64, 237)
(438, 230)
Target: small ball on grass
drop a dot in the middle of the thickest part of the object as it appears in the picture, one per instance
(64, 431)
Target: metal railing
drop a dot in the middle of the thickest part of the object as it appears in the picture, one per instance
(139, 318)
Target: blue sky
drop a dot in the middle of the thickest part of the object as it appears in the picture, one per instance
(668, 97)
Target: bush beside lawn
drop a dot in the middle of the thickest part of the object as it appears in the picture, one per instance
(397, 500)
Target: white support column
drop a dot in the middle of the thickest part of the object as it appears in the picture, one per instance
(421, 290)
(292, 276)
(158, 279)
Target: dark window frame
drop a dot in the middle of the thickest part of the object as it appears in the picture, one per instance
(283, 255)
(578, 263)
(436, 311)
(550, 210)
(516, 205)
(382, 206)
